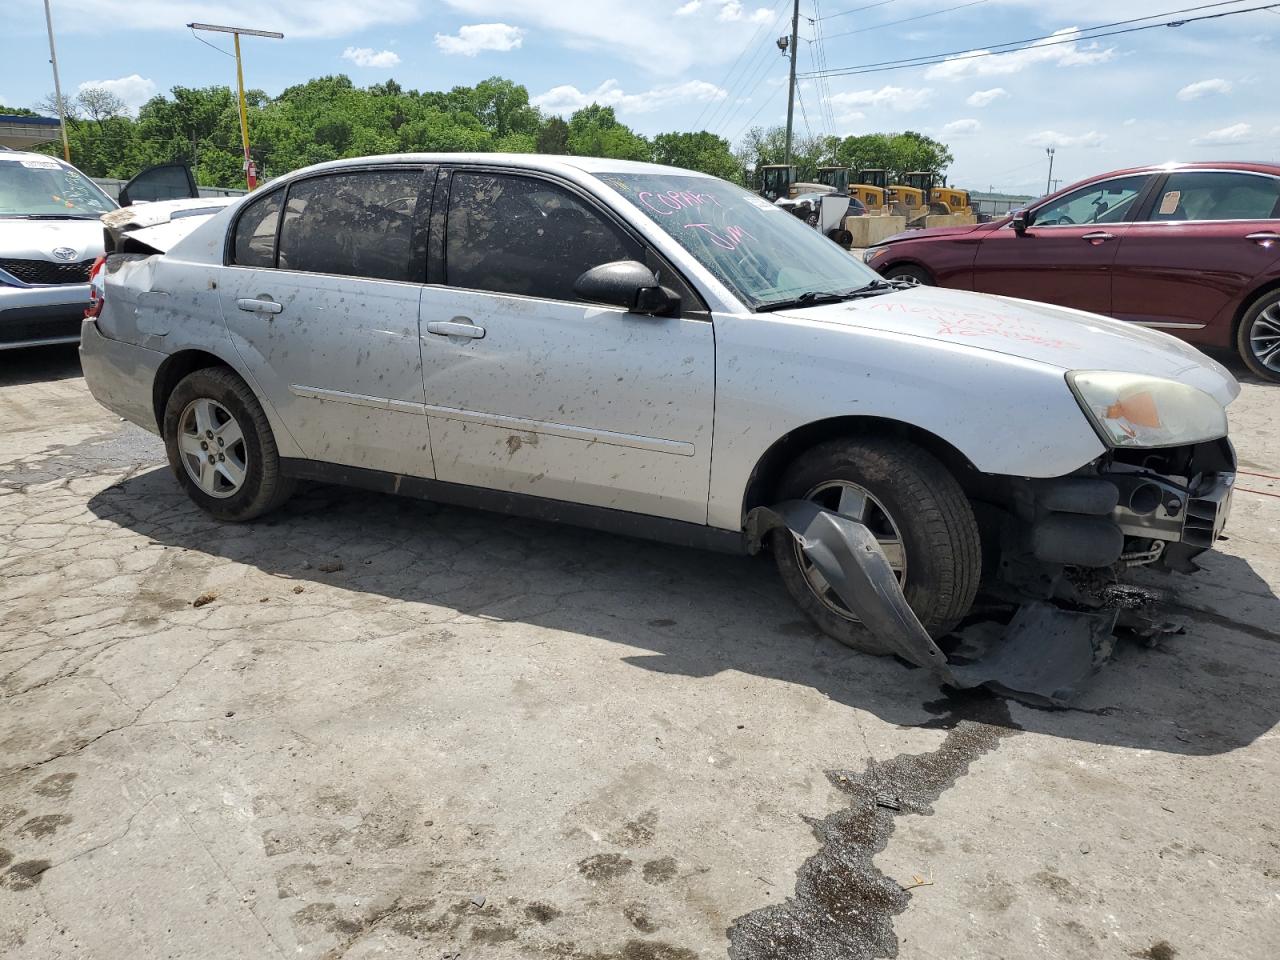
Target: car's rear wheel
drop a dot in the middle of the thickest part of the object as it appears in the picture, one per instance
(1258, 339)
(221, 448)
(918, 276)
(916, 510)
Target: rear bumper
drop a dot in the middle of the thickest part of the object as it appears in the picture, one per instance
(34, 316)
(120, 375)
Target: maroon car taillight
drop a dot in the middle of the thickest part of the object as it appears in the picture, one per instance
(97, 288)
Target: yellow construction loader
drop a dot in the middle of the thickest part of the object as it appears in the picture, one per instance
(871, 189)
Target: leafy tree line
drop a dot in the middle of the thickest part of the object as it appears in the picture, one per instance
(328, 118)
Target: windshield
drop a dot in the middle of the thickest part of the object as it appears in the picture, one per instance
(759, 251)
(38, 187)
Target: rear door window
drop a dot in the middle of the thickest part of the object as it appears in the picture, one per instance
(357, 224)
(1211, 195)
(255, 239)
(522, 235)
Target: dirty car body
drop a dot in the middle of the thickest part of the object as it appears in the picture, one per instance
(656, 352)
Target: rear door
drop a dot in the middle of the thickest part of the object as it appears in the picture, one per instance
(1204, 239)
(533, 391)
(1065, 255)
(322, 305)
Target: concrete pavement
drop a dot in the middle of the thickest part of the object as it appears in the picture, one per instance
(370, 726)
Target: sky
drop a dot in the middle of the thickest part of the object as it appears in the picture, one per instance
(1194, 92)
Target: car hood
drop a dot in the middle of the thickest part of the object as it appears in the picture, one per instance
(37, 239)
(930, 233)
(1058, 336)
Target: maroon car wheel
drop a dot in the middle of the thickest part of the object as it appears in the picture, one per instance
(1259, 337)
(917, 276)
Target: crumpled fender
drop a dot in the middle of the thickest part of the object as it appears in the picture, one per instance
(1041, 656)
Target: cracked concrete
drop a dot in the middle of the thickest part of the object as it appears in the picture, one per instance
(405, 730)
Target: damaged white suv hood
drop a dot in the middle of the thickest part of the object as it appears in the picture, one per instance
(1057, 336)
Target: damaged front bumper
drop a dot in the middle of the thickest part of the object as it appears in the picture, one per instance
(1059, 547)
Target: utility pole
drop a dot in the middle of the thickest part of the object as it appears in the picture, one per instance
(250, 174)
(791, 89)
(57, 86)
(1048, 186)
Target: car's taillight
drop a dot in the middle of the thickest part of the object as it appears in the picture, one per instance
(97, 288)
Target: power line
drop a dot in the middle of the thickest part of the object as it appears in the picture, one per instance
(724, 83)
(824, 87)
(922, 16)
(1051, 40)
(843, 13)
(225, 53)
(803, 115)
(725, 109)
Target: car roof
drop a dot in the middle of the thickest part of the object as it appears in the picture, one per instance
(549, 163)
(10, 154)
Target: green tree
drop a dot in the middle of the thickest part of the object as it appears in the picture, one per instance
(698, 151)
(594, 131)
(898, 153)
(553, 137)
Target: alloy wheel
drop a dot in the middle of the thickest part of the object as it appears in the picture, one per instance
(857, 503)
(1264, 337)
(212, 448)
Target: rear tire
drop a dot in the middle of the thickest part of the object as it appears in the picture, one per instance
(924, 507)
(917, 276)
(221, 448)
(1258, 338)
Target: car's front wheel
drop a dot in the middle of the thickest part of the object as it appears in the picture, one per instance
(914, 275)
(221, 448)
(1259, 337)
(916, 510)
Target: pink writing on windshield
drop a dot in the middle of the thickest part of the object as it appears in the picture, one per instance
(730, 239)
(665, 204)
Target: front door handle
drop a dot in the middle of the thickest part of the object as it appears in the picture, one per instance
(1098, 236)
(267, 305)
(457, 327)
(1264, 238)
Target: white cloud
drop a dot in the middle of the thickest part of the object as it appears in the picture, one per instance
(732, 11)
(367, 57)
(1131, 121)
(691, 7)
(905, 99)
(961, 128)
(294, 18)
(982, 98)
(1059, 49)
(1204, 88)
(567, 98)
(1052, 138)
(133, 89)
(1236, 133)
(475, 37)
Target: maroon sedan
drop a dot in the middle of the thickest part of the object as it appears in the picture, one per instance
(1191, 248)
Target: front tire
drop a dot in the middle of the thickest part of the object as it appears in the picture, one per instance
(916, 276)
(221, 448)
(1258, 338)
(915, 508)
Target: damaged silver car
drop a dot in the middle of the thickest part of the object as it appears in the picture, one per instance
(656, 352)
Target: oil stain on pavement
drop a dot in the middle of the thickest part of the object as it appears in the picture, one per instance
(843, 905)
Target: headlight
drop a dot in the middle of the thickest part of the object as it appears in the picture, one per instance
(872, 253)
(1132, 410)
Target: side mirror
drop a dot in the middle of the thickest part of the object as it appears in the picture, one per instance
(629, 284)
(1019, 222)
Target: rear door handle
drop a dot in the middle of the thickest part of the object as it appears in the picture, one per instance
(457, 327)
(1265, 237)
(1098, 236)
(259, 306)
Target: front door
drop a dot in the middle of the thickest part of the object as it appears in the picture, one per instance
(1207, 237)
(529, 389)
(1065, 255)
(327, 322)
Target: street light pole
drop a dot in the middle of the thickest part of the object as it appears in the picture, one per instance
(57, 85)
(1048, 186)
(250, 174)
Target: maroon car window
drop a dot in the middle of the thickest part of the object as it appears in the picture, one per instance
(1210, 195)
(1110, 201)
